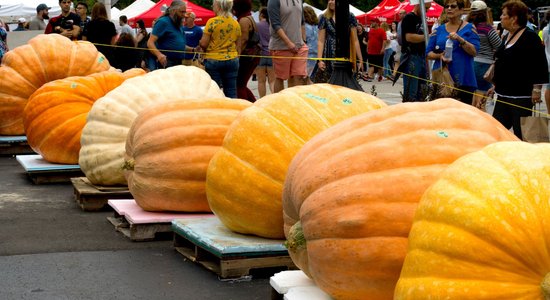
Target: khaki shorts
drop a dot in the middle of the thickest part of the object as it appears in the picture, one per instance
(287, 64)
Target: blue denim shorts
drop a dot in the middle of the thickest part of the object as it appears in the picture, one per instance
(265, 62)
(480, 70)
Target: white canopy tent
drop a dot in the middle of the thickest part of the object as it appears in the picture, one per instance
(132, 10)
(27, 8)
(354, 10)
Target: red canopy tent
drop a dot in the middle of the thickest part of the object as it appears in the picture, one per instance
(388, 11)
(432, 14)
(156, 11)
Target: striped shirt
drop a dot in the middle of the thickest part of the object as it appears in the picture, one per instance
(489, 42)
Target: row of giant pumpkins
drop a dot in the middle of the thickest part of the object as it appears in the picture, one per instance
(337, 172)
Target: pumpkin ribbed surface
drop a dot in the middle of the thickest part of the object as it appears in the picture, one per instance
(482, 231)
(168, 150)
(355, 187)
(56, 113)
(104, 136)
(245, 178)
(44, 58)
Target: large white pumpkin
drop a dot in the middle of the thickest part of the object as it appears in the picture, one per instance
(104, 136)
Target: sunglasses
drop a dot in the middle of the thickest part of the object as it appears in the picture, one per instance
(453, 6)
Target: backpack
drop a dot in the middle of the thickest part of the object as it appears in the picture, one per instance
(253, 43)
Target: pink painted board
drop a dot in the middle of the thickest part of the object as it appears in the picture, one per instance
(136, 215)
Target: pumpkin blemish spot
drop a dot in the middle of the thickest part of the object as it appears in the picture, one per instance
(442, 134)
(318, 98)
(347, 101)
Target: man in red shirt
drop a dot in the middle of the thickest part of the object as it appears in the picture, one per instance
(375, 49)
(67, 24)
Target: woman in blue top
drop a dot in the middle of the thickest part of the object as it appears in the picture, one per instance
(465, 47)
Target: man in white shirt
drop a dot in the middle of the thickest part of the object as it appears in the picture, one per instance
(124, 27)
(37, 22)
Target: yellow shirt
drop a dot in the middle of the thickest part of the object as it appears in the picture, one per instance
(224, 33)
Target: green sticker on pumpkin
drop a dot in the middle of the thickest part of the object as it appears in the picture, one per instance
(442, 134)
(347, 101)
(73, 85)
(318, 98)
(101, 59)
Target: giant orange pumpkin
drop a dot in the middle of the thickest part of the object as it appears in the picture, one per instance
(351, 192)
(44, 58)
(482, 231)
(168, 150)
(245, 177)
(56, 113)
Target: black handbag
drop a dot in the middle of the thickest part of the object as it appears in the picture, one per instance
(253, 42)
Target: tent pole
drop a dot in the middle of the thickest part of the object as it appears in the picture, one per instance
(425, 26)
(342, 73)
(108, 8)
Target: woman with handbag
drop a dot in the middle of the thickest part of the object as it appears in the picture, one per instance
(465, 45)
(520, 68)
(249, 43)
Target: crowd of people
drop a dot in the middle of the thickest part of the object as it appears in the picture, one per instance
(292, 44)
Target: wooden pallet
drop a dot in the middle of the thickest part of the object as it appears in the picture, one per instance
(139, 225)
(92, 197)
(228, 254)
(40, 171)
(295, 285)
(13, 145)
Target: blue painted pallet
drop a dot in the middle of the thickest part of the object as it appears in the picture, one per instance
(41, 171)
(12, 145)
(229, 254)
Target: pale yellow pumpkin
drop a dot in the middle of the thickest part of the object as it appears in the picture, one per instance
(104, 136)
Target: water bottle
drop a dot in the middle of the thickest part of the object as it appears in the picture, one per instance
(448, 50)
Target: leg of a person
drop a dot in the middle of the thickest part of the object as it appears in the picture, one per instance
(386, 62)
(502, 112)
(413, 83)
(547, 98)
(524, 108)
(212, 67)
(281, 66)
(261, 75)
(298, 68)
(230, 70)
(271, 79)
(246, 69)
(465, 94)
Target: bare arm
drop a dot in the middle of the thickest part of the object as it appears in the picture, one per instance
(153, 49)
(321, 36)
(358, 53)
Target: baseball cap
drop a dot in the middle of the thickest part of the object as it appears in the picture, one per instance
(21, 20)
(42, 7)
(478, 5)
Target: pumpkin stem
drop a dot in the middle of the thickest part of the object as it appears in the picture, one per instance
(296, 239)
(128, 165)
(545, 286)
